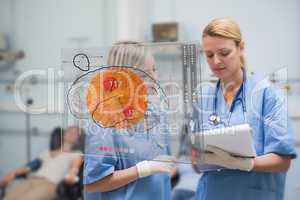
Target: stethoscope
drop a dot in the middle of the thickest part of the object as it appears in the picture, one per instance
(214, 118)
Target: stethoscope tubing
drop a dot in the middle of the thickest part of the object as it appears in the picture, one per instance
(214, 118)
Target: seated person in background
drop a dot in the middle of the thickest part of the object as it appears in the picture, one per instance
(60, 163)
(55, 143)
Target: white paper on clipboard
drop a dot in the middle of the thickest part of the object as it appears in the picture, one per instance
(236, 140)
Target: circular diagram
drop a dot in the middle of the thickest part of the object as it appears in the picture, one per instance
(116, 97)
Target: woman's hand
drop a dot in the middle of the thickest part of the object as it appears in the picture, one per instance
(120, 178)
(270, 162)
(195, 155)
(161, 164)
(195, 158)
(222, 158)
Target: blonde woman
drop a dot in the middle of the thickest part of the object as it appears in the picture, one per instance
(120, 174)
(238, 98)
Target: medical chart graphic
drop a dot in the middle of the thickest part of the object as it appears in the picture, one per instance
(115, 97)
(131, 111)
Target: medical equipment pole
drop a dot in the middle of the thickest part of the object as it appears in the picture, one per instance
(29, 102)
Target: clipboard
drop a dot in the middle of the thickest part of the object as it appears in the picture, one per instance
(237, 140)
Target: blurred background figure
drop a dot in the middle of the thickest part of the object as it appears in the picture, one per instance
(61, 162)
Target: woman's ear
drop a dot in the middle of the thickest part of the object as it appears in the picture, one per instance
(242, 46)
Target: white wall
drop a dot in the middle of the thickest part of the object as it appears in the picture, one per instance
(270, 27)
(5, 15)
(44, 27)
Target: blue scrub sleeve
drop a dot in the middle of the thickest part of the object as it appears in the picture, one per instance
(278, 134)
(98, 164)
(97, 167)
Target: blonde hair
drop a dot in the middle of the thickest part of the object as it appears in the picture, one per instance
(226, 28)
(127, 53)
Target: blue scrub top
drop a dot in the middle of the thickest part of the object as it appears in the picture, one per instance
(268, 116)
(110, 149)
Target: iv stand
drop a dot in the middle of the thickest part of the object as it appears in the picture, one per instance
(29, 102)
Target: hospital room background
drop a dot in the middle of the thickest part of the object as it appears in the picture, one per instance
(35, 31)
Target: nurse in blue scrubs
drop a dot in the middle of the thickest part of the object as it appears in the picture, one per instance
(239, 98)
(122, 173)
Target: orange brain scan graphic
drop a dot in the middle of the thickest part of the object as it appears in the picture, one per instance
(117, 97)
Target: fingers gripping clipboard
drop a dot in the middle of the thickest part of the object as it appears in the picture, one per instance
(237, 140)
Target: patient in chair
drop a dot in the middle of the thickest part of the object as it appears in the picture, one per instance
(60, 163)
